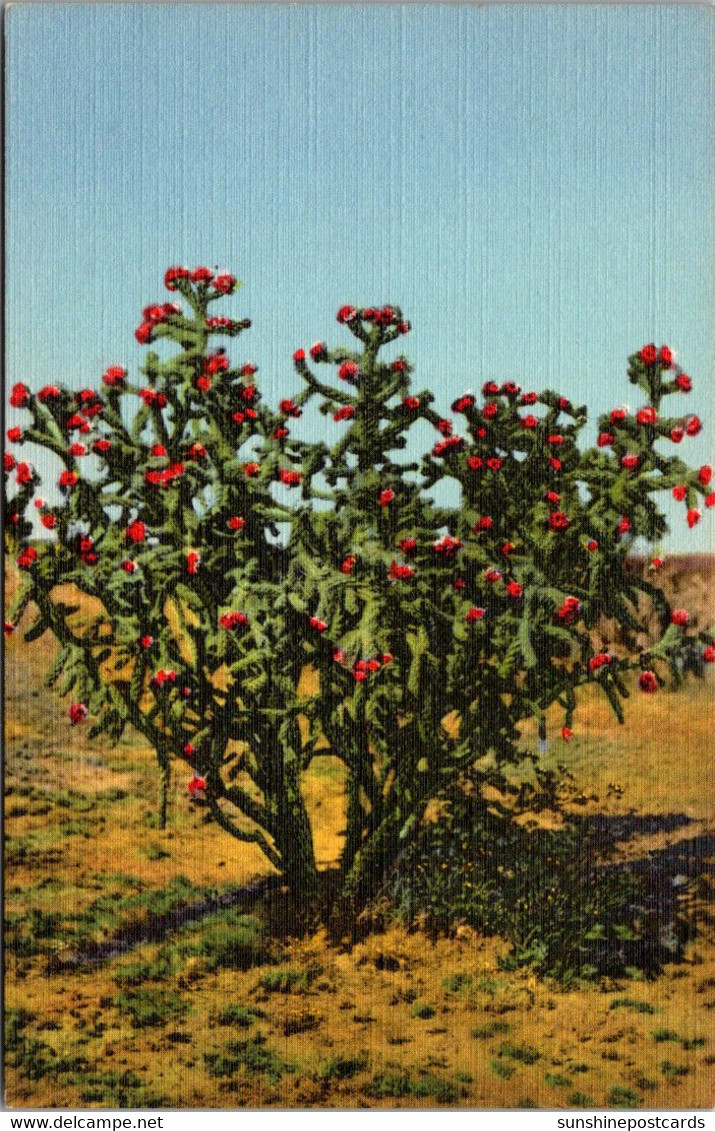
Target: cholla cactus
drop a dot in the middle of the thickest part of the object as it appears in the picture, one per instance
(434, 631)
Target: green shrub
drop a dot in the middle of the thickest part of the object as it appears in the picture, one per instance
(239, 1015)
(563, 914)
(343, 1067)
(423, 1011)
(400, 1084)
(288, 981)
(491, 1029)
(457, 983)
(150, 1008)
(620, 1096)
(526, 1054)
(253, 1057)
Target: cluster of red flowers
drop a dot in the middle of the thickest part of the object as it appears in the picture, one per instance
(401, 572)
(86, 551)
(451, 444)
(233, 620)
(162, 678)
(222, 284)
(568, 612)
(153, 316)
(362, 669)
(447, 547)
(77, 714)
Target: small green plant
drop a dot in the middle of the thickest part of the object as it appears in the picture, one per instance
(252, 1056)
(235, 942)
(556, 1080)
(423, 1011)
(400, 1084)
(632, 1003)
(288, 981)
(620, 1096)
(150, 1008)
(499, 1068)
(343, 1067)
(525, 1054)
(491, 1029)
(239, 1015)
(673, 1071)
(660, 1036)
(457, 983)
(580, 1099)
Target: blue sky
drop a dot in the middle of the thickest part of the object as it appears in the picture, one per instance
(532, 184)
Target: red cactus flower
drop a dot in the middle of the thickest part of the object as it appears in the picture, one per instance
(224, 284)
(445, 427)
(599, 661)
(474, 614)
(27, 557)
(705, 475)
(677, 434)
(552, 497)
(387, 658)
(408, 546)
(665, 357)
(251, 470)
(647, 415)
(189, 750)
(592, 545)
(447, 546)
(630, 461)
(146, 641)
(197, 788)
(490, 389)
(360, 675)
(348, 564)
(474, 463)
(345, 413)
(558, 520)
(202, 275)
(348, 371)
(299, 357)
(555, 440)
(648, 354)
(566, 734)
(9, 462)
(77, 450)
(618, 415)
(318, 351)
(529, 421)
(693, 425)
(129, 566)
(404, 327)
(289, 408)
(709, 500)
(236, 522)
(514, 589)
(463, 403)
(173, 275)
(492, 575)
(401, 572)
(494, 463)
(232, 620)
(24, 474)
(680, 617)
(656, 563)
(203, 383)
(20, 395)
(679, 492)
(709, 654)
(193, 561)
(490, 410)
(49, 521)
(693, 517)
(68, 479)
(14, 435)
(683, 383)
(604, 440)
(529, 398)
(624, 525)
(9, 628)
(317, 624)
(510, 389)
(339, 656)
(136, 531)
(101, 447)
(648, 682)
(486, 522)
(77, 714)
(289, 478)
(48, 393)
(346, 314)
(555, 464)
(411, 403)
(386, 497)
